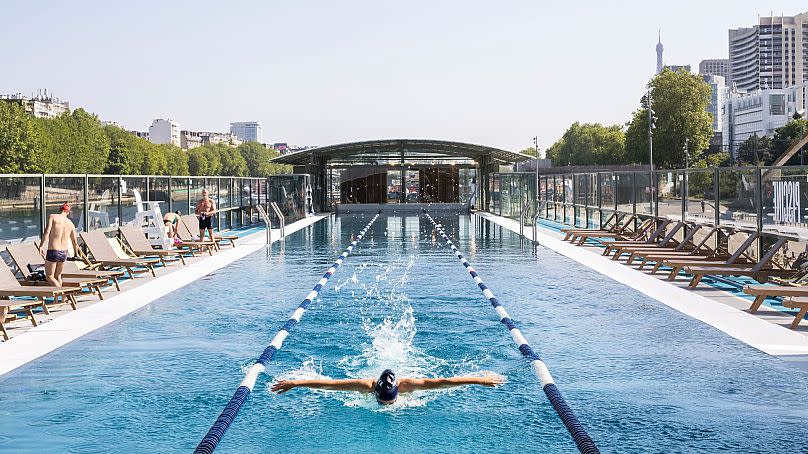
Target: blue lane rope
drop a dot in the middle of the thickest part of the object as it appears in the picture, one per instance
(574, 427)
(217, 431)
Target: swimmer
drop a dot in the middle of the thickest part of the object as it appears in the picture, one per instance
(387, 387)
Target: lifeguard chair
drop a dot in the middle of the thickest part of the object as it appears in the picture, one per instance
(149, 218)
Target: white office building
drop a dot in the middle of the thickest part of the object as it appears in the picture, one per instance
(759, 113)
(248, 131)
(714, 67)
(165, 131)
(718, 95)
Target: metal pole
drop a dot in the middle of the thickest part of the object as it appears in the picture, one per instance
(650, 133)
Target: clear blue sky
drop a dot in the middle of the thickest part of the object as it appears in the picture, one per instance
(319, 72)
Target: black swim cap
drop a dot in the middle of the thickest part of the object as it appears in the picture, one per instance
(386, 389)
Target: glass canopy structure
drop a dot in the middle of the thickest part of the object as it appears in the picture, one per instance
(399, 171)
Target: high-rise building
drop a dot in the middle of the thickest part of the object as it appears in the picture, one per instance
(771, 54)
(659, 49)
(165, 131)
(718, 94)
(714, 67)
(677, 68)
(248, 131)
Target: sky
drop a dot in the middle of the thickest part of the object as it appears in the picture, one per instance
(495, 73)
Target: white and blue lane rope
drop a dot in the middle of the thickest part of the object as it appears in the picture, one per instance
(217, 431)
(574, 427)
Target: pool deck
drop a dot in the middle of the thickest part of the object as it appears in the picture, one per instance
(767, 330)
(64, 325)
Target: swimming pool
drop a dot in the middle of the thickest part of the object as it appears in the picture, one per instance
(640, 376)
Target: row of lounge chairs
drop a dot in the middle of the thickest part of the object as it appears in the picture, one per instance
(661, 242)
(106, 261)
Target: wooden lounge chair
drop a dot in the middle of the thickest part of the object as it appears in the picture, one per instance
(139, 246)
(761, 292)
(620, 224)
(104, 254)
(666, 242)
(26, 255)
(613, 245)
(800, 303)
(700, 249)
(187, 239)
(10, 309)
(679, 263)
(191, 222)
(760, 271)
(642, 230)
(11, 287)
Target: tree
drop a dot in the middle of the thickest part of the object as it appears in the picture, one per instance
(257, 157)
(679, 101)
(76, 141)
(176, 159)
(197, 162)
(233, 163)
(589, 144)
(785, 136)
(755, 150)
(120, 150)
(530, 151)
(20, 146)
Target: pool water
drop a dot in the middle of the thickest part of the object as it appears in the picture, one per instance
(640, 376)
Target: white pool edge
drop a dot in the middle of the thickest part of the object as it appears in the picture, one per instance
(767, 337)
(47, 337)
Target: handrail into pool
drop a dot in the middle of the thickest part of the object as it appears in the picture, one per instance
(217, 431)
(582, 439)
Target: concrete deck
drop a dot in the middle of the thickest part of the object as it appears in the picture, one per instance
(64, 325)
(767, 330)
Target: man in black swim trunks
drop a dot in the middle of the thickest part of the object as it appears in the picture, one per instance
(58, 232)
(205, 209)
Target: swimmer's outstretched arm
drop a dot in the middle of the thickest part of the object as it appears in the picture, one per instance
(407, 385)
(350, 384)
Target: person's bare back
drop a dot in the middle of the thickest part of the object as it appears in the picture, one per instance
(58, 232)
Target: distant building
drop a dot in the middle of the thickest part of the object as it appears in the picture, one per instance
(111, 123)
(659, 49)
(771, 54)
(141, 134)
(677, 68)
(281, 147)
(759, 113)
(715, 67)
(718, 94)
(42, 105)
(190, 139)
(165, 131)
(248, 131)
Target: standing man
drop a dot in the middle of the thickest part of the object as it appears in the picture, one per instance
(58, 232)
(205, 209)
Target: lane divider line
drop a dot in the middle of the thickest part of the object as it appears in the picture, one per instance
(582, 439)
(218, 429)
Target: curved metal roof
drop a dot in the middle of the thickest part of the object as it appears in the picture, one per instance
(437, 149)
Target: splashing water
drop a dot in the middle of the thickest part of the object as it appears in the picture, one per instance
(389, 323)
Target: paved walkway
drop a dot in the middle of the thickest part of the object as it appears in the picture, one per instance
(766, 330)
(65, 325)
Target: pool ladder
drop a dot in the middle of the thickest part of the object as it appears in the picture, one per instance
(265, 216)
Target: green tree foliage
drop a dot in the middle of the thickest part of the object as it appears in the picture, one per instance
(589, 144)
(679, 101)
(755, 149)
(530, 151)
(787, 135)
(20, 148)
(76, 141)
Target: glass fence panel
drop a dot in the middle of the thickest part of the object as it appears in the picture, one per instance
(592, 190)
(785, 201)
(624, 191)
(607, 198)
(159, 192)
(700, 197)
(738, 197)
(569, 194)
(20, 204)
(669, 188)
(506, 190)
(179, 195)
(644, 193)
(288, 191)
(102, 202)
(133, 194)
(59, 190)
